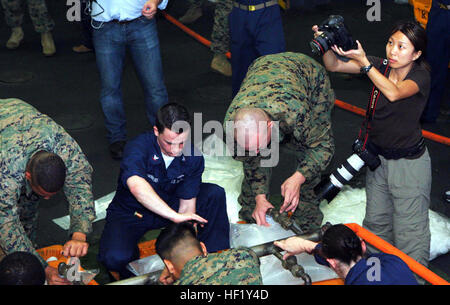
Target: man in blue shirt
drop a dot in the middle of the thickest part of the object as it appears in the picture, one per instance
(120, 25)
(343, 251)
(160, 183)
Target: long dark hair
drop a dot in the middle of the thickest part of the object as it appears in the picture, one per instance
(418, 37)
(341, 243)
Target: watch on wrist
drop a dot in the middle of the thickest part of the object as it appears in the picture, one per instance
(365, 70)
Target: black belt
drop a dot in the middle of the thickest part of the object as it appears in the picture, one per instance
(398, 153)
(256, 7)
(123, 21)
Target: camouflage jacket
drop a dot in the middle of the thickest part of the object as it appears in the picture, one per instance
(294, 90)
(231, 267)
(23, 132)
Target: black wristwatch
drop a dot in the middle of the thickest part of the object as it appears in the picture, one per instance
(365, 70)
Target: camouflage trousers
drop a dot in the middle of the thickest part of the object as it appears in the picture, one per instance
(42, 21)
(220, 37)
(307, 215)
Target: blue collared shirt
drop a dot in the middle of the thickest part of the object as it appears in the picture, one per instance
(107, 10)
(142, 157)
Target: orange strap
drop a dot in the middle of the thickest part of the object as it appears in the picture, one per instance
(190, 32)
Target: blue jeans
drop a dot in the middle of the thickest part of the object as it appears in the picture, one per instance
(110, 42)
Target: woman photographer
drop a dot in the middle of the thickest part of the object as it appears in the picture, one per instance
(398, 191)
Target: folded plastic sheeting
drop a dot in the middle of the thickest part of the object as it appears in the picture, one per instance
(350, 206)
(223, 170)
(272, 271)
(146, 265)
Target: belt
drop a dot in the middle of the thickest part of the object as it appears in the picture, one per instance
(256, 7)
(410, 153)
(443, 6)
(123, 21)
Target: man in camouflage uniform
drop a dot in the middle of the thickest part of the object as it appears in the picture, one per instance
(188, 262)
(220, 36)
(42, 22)
(25, 134)
(293, 90)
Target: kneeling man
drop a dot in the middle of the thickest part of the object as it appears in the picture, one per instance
(160, 183)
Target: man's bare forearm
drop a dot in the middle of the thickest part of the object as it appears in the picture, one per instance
(146, 195)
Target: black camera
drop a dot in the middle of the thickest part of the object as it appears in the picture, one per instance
(328, 188)
(334, 32)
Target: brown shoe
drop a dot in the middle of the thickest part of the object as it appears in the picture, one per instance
(221, 64)
(81, 49)
(15, 39)
(48, 46)
(191, 15)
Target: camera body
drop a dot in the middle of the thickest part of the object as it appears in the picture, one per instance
(371, 160)
(328, 188)
(335, 32)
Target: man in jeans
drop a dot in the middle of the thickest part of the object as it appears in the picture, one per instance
(119, 24)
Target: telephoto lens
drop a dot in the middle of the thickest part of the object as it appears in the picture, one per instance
(328, 188)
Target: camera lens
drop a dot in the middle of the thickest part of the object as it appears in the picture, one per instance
(330, 187)
(315, 47)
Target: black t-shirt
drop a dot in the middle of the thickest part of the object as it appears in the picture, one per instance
(396, 124)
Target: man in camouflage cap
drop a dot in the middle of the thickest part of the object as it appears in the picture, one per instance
(290, 91)
(38, 158)
(188, 262)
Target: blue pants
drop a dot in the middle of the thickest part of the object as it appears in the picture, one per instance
(123, 230)
(438, 56)
(110, 42)
(253, 34)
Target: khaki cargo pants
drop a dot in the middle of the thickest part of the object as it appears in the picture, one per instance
(398, 199)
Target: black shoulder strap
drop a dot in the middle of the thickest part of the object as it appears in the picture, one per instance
(372, 104)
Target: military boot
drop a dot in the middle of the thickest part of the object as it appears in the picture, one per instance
(15, 39)
(191, 15)
(221, 64)
(48, 46)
